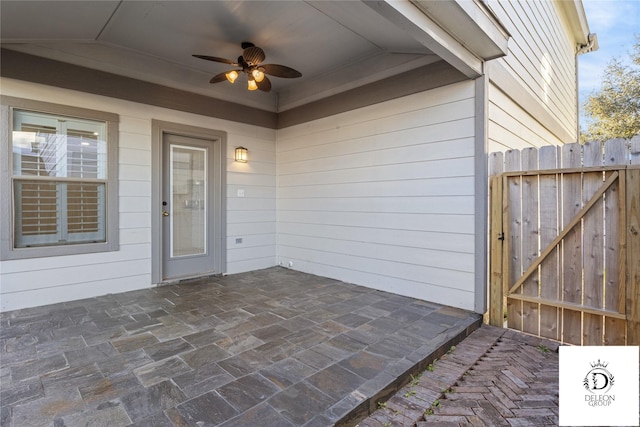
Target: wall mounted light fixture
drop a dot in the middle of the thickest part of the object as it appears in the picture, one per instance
(241, 154)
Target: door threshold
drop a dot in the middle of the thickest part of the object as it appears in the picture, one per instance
(184, 280)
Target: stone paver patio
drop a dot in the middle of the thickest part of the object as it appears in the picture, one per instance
(270, 348)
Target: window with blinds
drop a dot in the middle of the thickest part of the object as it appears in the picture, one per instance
(59, 174)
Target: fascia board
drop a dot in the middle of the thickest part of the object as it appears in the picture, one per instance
(577, 20)
(472, 23)
(425, 30)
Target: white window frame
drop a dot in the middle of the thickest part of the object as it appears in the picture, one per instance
(8, 250)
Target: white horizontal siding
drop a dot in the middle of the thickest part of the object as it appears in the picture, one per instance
(457, 186)
(134, 188)
(511, 127)
(135, 204)
(134, 156)
(63, 276)
(384, 196)
(391, 237)
(251, 218)
(390, 204)
(135, 236)
(86, 289)
(433, 277)
(447, 223)
(408, 255)
(376, 280)
(134, 173)
(133, 251)
(32, 282)
(541, 56)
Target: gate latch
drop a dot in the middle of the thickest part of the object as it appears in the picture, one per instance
(501, 236)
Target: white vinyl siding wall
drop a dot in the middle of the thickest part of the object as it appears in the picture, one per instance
(512, 127)
(25, 283)
(251, 218)
(542, 59)
(383, 196)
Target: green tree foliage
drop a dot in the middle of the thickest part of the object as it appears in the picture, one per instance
(614, 111)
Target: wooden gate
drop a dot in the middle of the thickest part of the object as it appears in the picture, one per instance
(565, 242)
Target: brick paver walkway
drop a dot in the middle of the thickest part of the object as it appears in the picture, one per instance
(495, 377)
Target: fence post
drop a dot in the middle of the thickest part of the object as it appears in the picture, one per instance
(633, 260)
(496, 296)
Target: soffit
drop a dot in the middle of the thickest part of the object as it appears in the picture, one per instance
(336, 45)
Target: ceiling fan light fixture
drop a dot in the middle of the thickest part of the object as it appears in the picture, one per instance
(250, 63)
(257, 74)
(232, 76)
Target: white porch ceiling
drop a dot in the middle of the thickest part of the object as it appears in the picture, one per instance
(336, 45)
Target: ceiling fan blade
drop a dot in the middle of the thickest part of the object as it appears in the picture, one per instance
(264, 85)
(216, 59)
(281, 71)
(219, 77)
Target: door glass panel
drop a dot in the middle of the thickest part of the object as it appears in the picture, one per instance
(188, 205)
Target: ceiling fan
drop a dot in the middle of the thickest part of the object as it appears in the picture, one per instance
(251, 64)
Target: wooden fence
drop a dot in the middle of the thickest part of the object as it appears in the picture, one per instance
(565, 242)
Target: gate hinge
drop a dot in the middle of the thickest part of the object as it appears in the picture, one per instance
(501, 236)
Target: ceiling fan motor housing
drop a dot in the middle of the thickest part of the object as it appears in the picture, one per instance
(253, 55)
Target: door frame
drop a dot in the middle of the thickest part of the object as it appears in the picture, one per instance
(219, 245)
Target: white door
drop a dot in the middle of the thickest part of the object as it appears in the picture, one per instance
(189, 220)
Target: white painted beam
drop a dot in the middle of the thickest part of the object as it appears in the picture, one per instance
(406, 15)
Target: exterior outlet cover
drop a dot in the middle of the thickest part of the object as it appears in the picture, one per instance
(240, 192)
